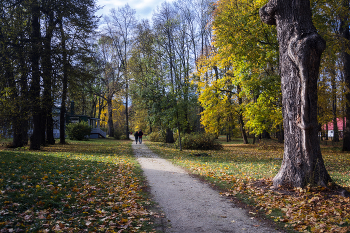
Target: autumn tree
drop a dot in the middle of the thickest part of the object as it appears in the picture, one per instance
(244, 55)
(120, 27)
(300, 48)
(109, 78)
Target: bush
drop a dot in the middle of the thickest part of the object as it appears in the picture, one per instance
(123, 137)
(78, 131)
(201, 141)
(156, 136)
(118, 134)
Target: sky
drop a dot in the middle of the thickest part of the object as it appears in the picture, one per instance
(144, 8)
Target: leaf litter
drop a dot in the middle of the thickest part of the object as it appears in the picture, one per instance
(246, 172)
(90, 186)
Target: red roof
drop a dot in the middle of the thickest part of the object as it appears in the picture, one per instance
(339, 123)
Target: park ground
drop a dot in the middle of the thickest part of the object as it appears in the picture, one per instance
(97, 186)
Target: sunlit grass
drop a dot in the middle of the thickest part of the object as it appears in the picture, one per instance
(93, 186)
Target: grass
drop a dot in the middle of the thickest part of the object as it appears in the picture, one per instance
(246, 172)
(88, 186)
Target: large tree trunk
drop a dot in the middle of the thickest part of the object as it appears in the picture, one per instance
(300, 50)
(344, 27)
(35, 141)
(47, 76)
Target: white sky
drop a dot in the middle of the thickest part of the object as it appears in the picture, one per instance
(144, 8)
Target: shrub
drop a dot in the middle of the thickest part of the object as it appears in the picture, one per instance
(123, 137)
(201, 141)
(156, 136)
(118, 134)
(78, 131)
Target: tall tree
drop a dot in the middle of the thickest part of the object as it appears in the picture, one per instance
(36, 47)
(109, 77)
(120, 29)
(300, 48)
(345, 34)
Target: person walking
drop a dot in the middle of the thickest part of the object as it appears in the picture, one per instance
(136, 136)
(140, 136)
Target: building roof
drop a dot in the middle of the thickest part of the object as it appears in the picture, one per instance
(340, 124)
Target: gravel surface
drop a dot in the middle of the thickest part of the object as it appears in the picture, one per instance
(190, 205)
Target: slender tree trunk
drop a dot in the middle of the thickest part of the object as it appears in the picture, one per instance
(20, 119)
(24, 109)
(240, 118)
(344, 27)
(334, 107)
(15, 113)
(127, 110)
(110, 116)
(244, 134)
(300, 50)
(35, 141)
(47, 83)
(64, 87)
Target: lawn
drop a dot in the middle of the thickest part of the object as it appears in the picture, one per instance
(89, 186)
(246, 172)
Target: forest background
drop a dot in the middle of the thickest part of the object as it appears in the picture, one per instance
(199, 65)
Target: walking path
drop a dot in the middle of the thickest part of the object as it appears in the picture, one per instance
(189, 205)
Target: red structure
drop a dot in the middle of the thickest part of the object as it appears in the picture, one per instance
(340, 123)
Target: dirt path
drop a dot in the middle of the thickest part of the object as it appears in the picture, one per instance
(191, 206)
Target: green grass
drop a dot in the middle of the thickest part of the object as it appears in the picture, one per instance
(93, 186)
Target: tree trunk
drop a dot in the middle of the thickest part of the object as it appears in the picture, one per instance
(127, 110)
(240, 118)
(110, 117)
(169, 138)
(24, 106)
(300, 49)
(47, 83)
(344, 27)
(244, 134)
(35, 141)
(334, 106)
(280, 134)
(64, 87)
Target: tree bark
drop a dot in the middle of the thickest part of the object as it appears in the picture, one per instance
(47, 76)
(240, 118)
(64, 87)
(35, 141)
(300, 49)
(169, 138)
(345, 33)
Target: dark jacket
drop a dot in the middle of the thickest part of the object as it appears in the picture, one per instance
(140, 134)
(136, 134)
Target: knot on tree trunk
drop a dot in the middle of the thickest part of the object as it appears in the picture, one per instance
(267, 13)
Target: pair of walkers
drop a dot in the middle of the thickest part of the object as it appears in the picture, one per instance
(138, 136)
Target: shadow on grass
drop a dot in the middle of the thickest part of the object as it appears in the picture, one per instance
(71, 187)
